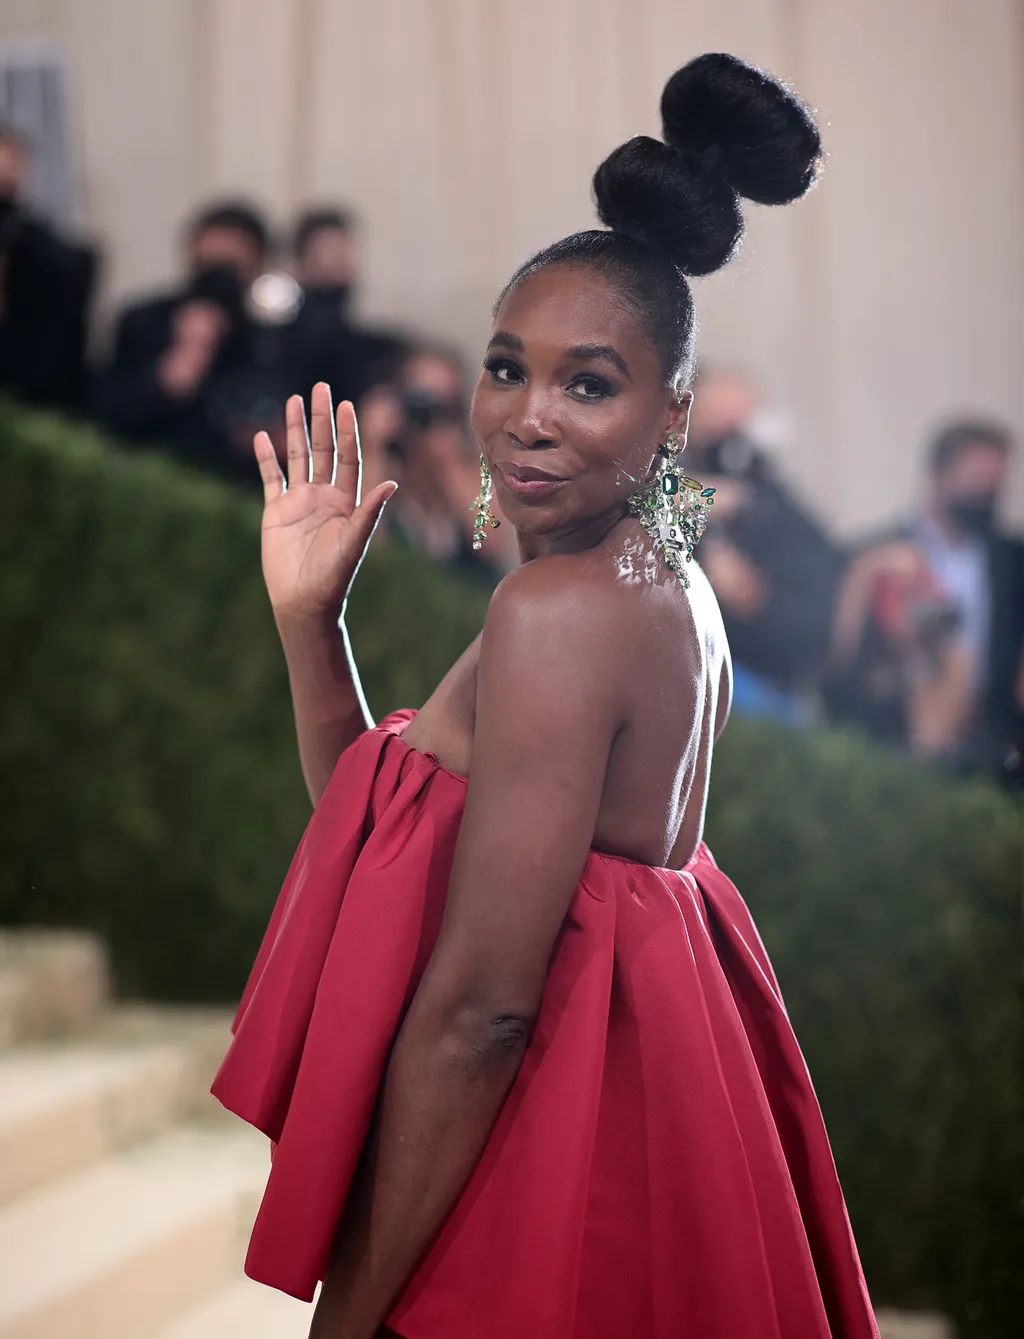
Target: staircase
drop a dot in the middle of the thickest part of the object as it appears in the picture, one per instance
(126, 1192)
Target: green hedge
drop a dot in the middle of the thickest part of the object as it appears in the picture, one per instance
(890, 900)
(152, 787)
(152, 792)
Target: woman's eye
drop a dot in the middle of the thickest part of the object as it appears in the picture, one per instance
(590, 387)
(504, 371)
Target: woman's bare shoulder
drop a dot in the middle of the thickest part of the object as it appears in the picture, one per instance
(576, 592)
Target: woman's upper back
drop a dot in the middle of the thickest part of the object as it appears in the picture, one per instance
(656, 659)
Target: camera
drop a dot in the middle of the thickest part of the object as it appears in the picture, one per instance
(733, 456)
(250, 396)
(220, 285)
(424, 410)
(914, 609)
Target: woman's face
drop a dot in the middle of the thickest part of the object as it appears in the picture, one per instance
(570, 407)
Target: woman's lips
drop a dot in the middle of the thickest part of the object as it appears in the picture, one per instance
(527, 481)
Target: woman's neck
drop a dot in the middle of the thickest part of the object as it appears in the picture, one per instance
(587, 535)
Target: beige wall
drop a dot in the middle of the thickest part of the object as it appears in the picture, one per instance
(466, 131)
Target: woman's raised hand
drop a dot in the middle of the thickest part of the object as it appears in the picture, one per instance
(315, 526)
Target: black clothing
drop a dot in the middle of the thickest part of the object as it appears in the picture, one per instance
(321, 344)
(252, 374)
(130, 400)
(46, 285)
(1002, 714)
(787, 641)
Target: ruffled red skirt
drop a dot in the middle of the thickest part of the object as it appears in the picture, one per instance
(660, 1169)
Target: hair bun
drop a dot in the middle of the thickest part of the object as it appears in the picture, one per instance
(769, 145)
(650, 191)
(730, 130)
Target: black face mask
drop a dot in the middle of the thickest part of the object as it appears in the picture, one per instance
(975, 516)
(333, 297)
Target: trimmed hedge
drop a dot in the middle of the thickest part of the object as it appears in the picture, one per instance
(152, 786)
(890, 900)
(152, 792)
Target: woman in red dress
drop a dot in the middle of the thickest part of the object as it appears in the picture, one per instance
(514, 1036)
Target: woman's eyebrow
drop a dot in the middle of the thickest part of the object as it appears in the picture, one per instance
(502, 339)
(603, 352)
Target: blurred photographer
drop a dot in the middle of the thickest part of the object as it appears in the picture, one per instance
(414, 429)
(182, 371)
(773, 568)
(325, 342)
(929, 639)
(46, 287)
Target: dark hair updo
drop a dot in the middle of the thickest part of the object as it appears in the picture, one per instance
(672, 206)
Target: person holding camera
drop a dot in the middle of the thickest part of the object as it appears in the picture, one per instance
(414, 430)
(177, 357)
(324, 341)
(773, 567)
(46, 287)
(929, 635)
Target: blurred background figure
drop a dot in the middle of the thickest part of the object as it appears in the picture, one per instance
(46, 286)
(325, 252)
(179, 358)
(929, 651)
(325, 343)
(773, 567)
(415, 430)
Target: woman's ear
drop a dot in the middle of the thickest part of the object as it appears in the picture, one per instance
(679, 416)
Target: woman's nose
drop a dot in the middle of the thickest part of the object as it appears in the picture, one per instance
(529, 441)
(529, 425)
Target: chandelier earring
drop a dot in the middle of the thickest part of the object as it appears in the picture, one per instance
(485, 518)
(672, 508)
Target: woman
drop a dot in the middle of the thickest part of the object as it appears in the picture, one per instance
(515, 1037)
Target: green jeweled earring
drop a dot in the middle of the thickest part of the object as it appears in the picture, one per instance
(485, 518)
(673, 509)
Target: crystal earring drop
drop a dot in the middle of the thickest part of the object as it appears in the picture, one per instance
(673, 509)
(485, 518)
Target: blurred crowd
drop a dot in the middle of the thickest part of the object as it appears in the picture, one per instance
(253, 319)
(915, 635)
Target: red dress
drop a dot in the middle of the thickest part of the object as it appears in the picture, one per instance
(660, 1169)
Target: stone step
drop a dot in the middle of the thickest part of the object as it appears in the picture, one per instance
(914, 1325)
(52, 983)
(65, 1105)
(203, 1032)
(61, 1110)
(124, 1248)
(243, 1310)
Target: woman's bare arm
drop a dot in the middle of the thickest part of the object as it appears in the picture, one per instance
(547, 712)
(315, 533)
(327, 697)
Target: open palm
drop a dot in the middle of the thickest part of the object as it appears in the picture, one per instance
(315, 527)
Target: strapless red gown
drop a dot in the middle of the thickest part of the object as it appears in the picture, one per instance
(660, 1169)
